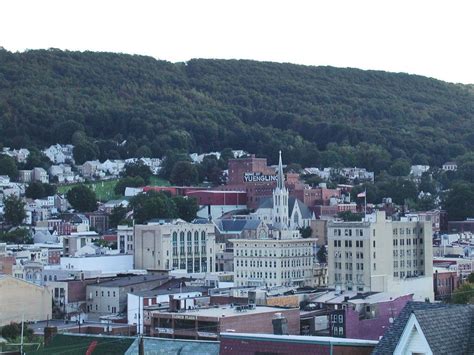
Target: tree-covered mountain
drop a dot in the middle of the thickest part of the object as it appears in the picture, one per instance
(316, 115)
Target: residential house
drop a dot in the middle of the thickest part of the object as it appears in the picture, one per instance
(430, 328)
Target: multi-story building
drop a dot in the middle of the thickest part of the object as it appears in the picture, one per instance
(175, 244)
(280, 257)
(111, 296)
(125, 239)
(381, 255)
(72, 243)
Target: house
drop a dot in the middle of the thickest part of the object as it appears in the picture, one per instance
(430, 328)
(417, 170)
(40, 175)
(59, 154)
(450, 166)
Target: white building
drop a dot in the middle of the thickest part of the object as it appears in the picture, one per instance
(417, 170)
(105, 263)
(125, 239)
(381, 255)
(450, 166)
(59, 154)
(175, 244)
(282, 257)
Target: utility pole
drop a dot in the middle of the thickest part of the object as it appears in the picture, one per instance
(22, 331)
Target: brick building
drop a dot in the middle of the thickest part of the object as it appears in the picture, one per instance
(233, 343)
(207, 323)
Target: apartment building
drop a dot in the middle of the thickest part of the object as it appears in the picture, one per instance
(381, 255)
(175, 244)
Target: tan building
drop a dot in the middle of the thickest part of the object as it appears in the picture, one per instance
(176, 245)
(381, 255)
(21, 299)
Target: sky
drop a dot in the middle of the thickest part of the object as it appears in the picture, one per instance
(431, 38)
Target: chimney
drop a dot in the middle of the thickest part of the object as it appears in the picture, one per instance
(280, 324)
(49, 333)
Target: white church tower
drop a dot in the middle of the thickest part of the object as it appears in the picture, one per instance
(280, 201)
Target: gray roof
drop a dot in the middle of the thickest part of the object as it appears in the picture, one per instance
(172, 346)
(292, 201)
(236, 225)
(131, 280)
(449, 329)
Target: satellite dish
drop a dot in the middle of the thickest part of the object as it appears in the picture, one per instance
(390, 320)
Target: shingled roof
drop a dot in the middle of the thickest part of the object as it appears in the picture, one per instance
(448, 329)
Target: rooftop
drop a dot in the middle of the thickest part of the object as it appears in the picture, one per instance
(226, 311)
(131, 280)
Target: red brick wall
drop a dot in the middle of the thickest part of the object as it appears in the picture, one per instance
(261, 322)
(247, 346)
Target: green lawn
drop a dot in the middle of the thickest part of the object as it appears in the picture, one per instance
(104, 190)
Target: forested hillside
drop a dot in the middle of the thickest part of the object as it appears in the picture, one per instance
(316, 115)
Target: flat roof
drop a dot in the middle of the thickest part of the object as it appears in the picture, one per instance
(131, 280)
(301, 339)
(226, 311)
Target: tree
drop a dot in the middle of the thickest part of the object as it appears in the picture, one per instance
(186, 207)
(184, 174)
(470, 278)
(464, 294)
(153, 205)
(84, 151)
(138, 169)
(13, 330)
(37, 159)
(8, 167)
(17, 236)
(169, 162)
(128, 181)
(14, 210)
(348, 216)
(35, 190)
(210, 170)
(322, 255)
(400, 167)
(459, 202)
(117, 215)
(82, 198)
(306, 232)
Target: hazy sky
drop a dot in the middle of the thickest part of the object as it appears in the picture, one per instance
(431, 38)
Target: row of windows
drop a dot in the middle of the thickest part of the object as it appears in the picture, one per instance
(409, 241)
(102, 293)
(348, 232)
(348, 243)
(189, 237)
(348, 277)
(407, 231)
(408, 273)
(283, 263)
(266, 253)
(407, 252)
(408, 263)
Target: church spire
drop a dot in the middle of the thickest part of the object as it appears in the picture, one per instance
(280, 176)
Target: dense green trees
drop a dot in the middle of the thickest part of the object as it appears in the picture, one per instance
(184, 174)
(131, 105)
(128, 181)
(138, 169)
(160, 205)
(459, 202)
(8, 167)
(14, 212)
(82, 198)
(37, 189)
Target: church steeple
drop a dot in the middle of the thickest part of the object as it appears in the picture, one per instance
(280, 176)
(280, 200)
